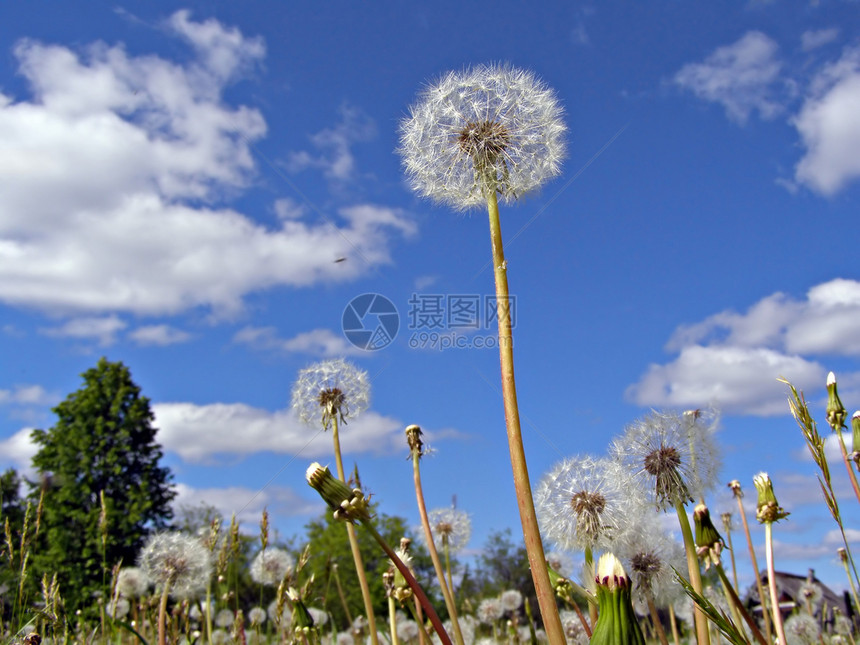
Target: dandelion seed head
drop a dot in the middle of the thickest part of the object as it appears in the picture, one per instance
(181, 562)
(224, 619)
(489, 121)
(407, 630)
(332, 389)
(257, 616)
(802, 629)
(674, 455)
(585, 503)
(573, 628)
(271, 566)
(131, 582)
(511, 600)
(489, 611)
(450, 526)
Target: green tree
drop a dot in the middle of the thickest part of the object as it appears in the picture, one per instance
(105, 491)
(329, 546)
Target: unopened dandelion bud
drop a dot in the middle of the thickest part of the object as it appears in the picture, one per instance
(616, 624)
(302, 621)
(768, 509)
(709, 542)
(855, 437)
(348, 505)
(836, 412)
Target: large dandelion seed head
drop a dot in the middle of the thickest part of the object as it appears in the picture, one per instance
(491, 123)
(673, 454)
(332, 389)
(270, 566)
(585, 503)
(176, 560)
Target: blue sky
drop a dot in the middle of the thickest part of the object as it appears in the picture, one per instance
(178, 182)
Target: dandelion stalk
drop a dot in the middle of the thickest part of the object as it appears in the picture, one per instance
(522, 486)
(353, 545)
(492, 131)
(416, 447)
(769, 511)
(735, 485)
(702, 634)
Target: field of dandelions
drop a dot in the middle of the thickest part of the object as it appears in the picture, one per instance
(474, 139)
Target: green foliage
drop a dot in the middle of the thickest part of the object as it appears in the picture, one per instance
(330, 546)
(102, 443)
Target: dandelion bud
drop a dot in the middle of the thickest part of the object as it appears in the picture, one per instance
(709, 542)
(855, 437)
(616, 624)
(302, 621)
(348, 505)
(836, 412)
(768, 509)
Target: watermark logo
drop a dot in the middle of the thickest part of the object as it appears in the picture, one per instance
(436, 320)
(370, 321)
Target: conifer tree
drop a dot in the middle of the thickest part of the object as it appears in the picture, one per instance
(105, 490)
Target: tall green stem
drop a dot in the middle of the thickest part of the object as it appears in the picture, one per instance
(431, 547)
(771, 582)
(702, 635)
(759, 585)
(528, 517)
(353, 545)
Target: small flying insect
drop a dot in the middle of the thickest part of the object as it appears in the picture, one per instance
(339, 260)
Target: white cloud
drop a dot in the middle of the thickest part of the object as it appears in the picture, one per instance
(736, 379)
(102, 329)
(26, 395)
(815, 38)
(199, 433)
(18, 449)
(109, 173)
(334, 146)
(159, 335)
(733, 359)
(737, 76)
(829, 128)
(246, 503)
(223, 52)
(317, 342)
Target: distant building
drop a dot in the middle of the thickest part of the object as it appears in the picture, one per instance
(802, 591)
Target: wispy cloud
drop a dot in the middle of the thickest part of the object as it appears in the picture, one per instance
(816, 38)
(317, 342)
(739, 76)
(333, 146)
(733, 359)
(103, 329)
(160, 335)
